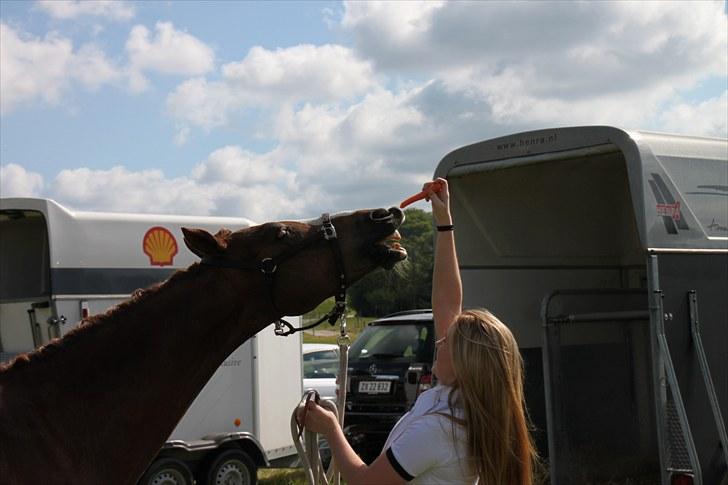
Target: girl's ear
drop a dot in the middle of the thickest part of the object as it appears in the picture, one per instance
(202, 243)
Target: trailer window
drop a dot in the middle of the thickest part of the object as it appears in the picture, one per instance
(24, 255)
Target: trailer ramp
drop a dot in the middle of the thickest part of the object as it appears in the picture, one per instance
(690, 361)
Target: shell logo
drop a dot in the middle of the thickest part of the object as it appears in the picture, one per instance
(160, 245)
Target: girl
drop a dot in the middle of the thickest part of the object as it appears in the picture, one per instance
(471, 427)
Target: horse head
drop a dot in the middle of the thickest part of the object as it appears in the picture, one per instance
(303, 263)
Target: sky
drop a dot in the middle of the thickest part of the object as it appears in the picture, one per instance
(284, 110)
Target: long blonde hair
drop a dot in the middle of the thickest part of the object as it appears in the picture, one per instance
(489, 379)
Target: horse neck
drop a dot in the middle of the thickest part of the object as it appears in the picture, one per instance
(149, 358)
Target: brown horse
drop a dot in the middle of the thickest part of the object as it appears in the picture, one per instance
(96, 405)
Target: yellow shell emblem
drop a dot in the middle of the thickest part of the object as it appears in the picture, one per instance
(160, 245)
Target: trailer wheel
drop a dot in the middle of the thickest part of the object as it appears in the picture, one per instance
(167, 471)
(232, 467)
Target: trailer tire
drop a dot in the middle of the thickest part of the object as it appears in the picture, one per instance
(167, 471)
(232, 467)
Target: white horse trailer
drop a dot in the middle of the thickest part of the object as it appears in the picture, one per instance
(600, 248)
(58, 266)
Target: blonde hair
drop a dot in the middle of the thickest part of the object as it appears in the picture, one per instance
(489, 379)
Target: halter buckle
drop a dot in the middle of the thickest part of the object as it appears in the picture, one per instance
(283, 328)
(327, 227)
(268, 266)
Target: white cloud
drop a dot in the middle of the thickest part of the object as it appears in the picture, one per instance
(71, 9)
(329, 137)
(612, 37)
(301, 72)
(168, 51)
(273, 78)
(234, 165)
(355, 127)
(230, 181)
(33, 68)
(119, 189)
(201, 103)
(505, 65)
(709, 117)
(16, 181)
(549, 63)
(390, 26)
(91, 67)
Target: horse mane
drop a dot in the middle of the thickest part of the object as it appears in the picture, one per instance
(92, 325)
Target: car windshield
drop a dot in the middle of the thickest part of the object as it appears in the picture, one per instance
(320, 369)
(410, 341)
(321, 364)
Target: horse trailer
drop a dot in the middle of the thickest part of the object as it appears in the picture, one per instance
(606, 253)
(59, 266)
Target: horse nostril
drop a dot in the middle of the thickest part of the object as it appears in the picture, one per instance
(380, 215)
(397, 213)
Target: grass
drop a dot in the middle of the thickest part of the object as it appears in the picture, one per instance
(281, 476)
(326, 333)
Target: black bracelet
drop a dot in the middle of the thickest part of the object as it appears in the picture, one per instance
(446, 228)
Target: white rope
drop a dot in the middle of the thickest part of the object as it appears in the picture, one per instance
(308, 449)
(306, 443)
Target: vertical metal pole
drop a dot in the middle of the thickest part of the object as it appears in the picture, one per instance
(549, 367)
(658, 367)
(668, 376)
(710, 389)
(34, 328)
(679, 405)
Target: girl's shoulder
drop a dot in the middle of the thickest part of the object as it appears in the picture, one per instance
(434, 401)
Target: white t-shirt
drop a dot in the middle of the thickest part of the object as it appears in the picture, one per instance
(427, 448)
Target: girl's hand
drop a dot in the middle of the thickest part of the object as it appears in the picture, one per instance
(317, 419)
(440, 200)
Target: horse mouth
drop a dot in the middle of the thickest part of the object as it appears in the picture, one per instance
(392, 250)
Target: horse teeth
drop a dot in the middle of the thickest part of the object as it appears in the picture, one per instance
(395, 236)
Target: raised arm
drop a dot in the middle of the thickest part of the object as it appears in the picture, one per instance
(447, 289)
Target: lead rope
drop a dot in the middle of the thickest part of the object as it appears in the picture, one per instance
(309, 453)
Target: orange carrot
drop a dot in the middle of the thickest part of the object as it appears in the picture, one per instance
(436, 187)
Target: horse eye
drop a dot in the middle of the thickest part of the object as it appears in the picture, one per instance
(283, 232)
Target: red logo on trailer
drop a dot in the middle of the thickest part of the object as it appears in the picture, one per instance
(669, 210)
(160, 245)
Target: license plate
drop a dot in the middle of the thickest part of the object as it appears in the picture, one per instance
(374, 387)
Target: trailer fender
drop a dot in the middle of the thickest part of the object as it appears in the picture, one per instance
(246, 442)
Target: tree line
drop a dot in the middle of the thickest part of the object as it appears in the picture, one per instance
(409, 285)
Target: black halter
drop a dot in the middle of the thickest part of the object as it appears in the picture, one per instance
(269, 266)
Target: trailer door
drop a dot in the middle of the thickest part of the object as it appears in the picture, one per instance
(26, 316)
(690, 336)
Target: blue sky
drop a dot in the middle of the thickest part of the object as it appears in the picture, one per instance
(287, 109)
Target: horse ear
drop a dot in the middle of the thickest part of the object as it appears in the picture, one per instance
(201, 242)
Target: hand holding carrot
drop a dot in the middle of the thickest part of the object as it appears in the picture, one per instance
(435, 186)
(439, 196)
(437, 193)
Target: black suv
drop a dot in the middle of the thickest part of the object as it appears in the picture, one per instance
(390, 364)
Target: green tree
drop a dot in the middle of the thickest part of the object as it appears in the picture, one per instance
(409, 285)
